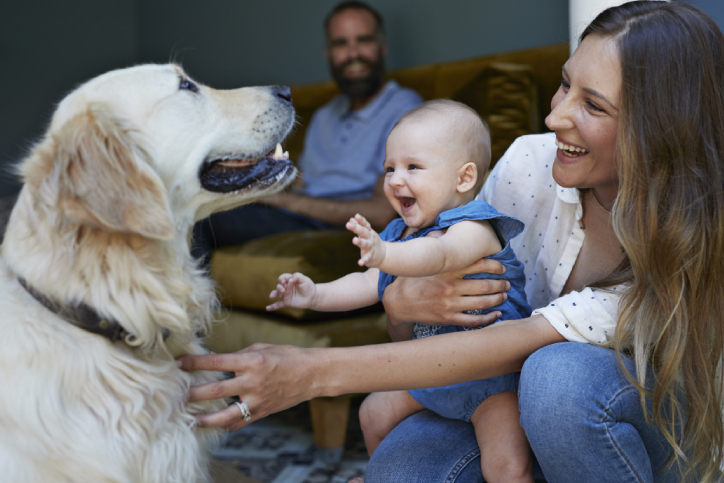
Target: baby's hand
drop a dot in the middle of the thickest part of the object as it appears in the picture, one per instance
(371, 246)
(295, 290)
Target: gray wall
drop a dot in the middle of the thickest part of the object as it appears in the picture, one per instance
(231, 43)
(47, 46)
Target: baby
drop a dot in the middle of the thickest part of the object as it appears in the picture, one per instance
(435, 158)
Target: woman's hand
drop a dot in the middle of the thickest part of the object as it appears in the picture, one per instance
(269, 378)
(442, 299)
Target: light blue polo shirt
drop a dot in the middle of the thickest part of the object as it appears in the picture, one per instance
(344, 150)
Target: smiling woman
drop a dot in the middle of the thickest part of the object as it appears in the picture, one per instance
(584, 116)
(624, 214)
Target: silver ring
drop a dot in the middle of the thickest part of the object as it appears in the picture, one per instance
(245, 412)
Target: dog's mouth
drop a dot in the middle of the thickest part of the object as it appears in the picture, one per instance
(227, 174)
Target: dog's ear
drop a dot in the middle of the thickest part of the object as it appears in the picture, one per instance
(104, 179)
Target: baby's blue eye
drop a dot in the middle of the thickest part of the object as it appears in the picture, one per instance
(389, 170)
(413, 166)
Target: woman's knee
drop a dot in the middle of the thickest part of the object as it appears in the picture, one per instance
(567, 382)
(578, 409)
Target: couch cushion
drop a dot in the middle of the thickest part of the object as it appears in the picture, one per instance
(506, 96)
(444, 80)
(246, 274)
(237, 330)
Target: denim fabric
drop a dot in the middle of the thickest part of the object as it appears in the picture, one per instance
(459, 401)
(584, 420)
(427, 448)
(582, 417)
(506, 227)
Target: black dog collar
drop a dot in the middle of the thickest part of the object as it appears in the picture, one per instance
(81, 316)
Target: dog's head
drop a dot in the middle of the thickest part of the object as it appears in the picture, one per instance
(130, 161)
(147, 150)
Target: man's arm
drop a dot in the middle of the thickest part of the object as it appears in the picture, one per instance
(376, 209)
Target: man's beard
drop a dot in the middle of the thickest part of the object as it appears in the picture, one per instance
(363, 87)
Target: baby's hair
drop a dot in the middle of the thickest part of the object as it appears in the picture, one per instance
(464, 123)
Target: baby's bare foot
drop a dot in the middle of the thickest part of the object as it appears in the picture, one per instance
(359, 479)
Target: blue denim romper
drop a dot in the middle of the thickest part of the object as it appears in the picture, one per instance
(459, 401)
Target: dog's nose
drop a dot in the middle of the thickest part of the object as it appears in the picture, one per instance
(283, 92)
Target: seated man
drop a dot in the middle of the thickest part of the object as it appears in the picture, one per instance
(341, 162)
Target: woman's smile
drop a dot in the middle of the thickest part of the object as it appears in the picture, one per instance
(568, 153)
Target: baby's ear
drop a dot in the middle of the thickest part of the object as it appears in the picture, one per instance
(467, 177)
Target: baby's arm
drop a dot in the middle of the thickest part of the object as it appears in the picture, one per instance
(460, 246)
(350, 292)
(372, 248)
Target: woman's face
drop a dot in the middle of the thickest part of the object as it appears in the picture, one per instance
(584, 116)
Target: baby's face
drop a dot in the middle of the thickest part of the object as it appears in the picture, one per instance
(421, 171)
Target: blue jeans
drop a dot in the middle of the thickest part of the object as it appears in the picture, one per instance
(583, 419)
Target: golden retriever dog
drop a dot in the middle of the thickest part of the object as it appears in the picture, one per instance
(98, 292)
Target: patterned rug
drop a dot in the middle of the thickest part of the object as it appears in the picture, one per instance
(281, 449)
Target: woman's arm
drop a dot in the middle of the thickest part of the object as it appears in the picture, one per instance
(272, 378)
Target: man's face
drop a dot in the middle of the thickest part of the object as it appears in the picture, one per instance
(356, 53)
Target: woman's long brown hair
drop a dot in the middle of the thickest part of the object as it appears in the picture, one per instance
(669, 218)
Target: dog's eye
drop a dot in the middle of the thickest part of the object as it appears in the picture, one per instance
(186, 84)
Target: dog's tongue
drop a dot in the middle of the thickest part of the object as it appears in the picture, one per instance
(238, 163)
(224, 179)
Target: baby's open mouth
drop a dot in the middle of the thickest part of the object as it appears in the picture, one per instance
(406, 202)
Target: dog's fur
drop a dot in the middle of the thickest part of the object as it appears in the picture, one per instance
(109, 199)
